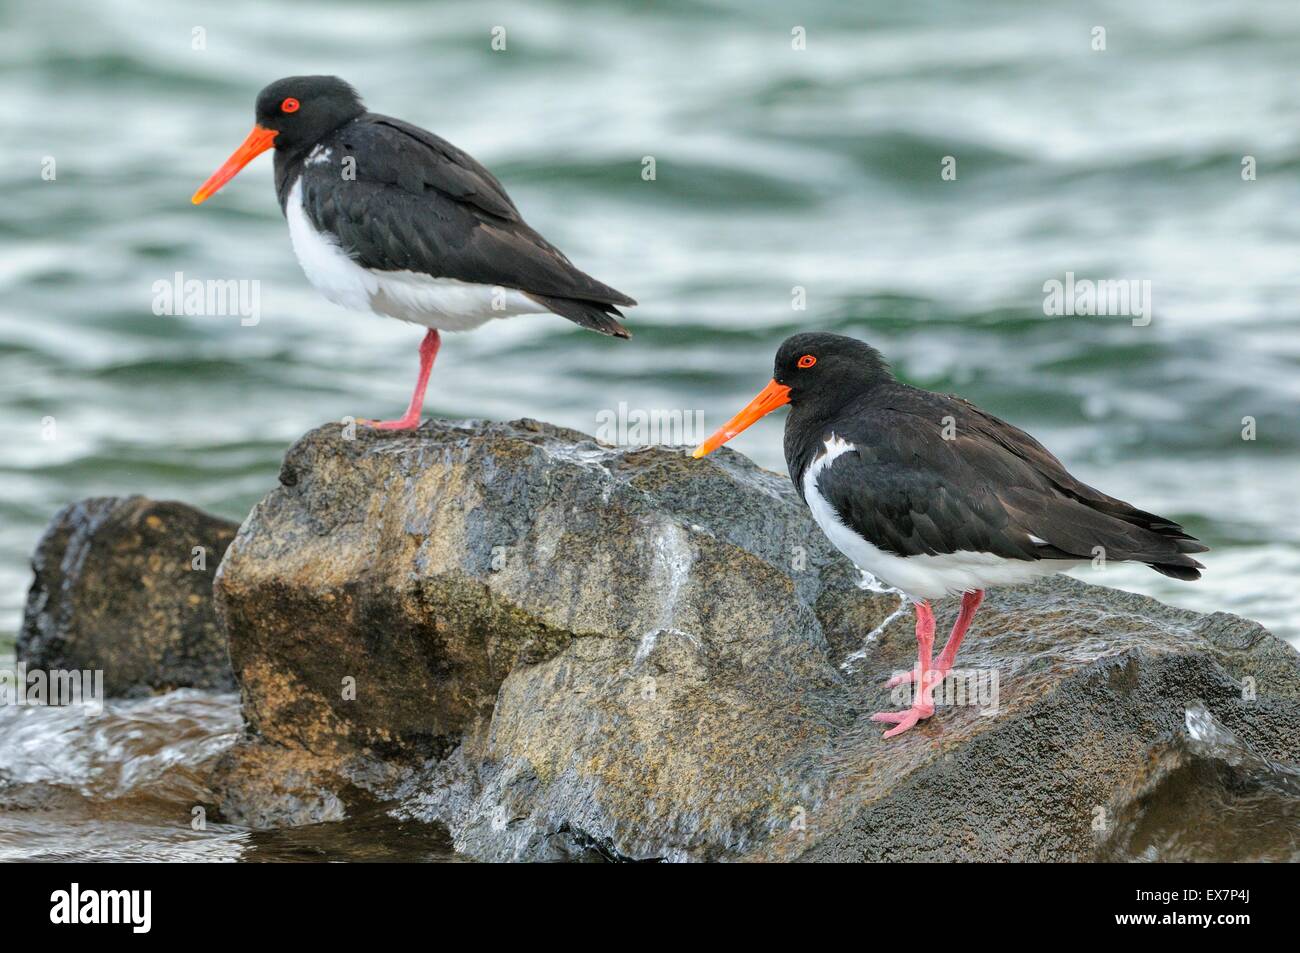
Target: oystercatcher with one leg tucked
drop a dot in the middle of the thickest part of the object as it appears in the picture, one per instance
(935, 497)
(389, 218)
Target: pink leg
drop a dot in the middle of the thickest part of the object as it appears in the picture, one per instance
(411, 419)
(923, 705)
(970, 601)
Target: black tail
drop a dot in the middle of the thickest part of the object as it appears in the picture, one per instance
(594, 315)
(1178, 565)
(1186, 573)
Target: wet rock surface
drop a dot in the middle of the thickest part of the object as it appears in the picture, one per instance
(565, 650)
(124, 584)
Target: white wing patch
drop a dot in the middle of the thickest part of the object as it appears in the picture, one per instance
(319, 155)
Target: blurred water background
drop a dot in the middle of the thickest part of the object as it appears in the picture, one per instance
(775, 168)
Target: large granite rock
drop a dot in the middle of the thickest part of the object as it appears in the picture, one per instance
(563, 649)
(124, 584)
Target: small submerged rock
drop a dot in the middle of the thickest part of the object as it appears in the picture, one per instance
(561, 649)
(124, 585)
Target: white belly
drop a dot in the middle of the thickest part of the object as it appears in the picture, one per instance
(442, 303)
(921, 577)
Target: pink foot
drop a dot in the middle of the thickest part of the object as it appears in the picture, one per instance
(922, 707)
(903, 720)
(406, 423)
(935, 677)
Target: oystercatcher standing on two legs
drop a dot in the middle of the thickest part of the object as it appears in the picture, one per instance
(935, 497)
(387, 217)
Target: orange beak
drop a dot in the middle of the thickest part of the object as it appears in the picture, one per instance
(258, 141)
(774, 395)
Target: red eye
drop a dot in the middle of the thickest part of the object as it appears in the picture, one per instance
(290, 105)
(807, 361)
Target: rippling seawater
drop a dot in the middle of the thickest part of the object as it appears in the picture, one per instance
(130, 783)
(775, 169)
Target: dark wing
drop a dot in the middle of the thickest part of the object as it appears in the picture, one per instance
(417, 203)
(991, 488)
(417, 160)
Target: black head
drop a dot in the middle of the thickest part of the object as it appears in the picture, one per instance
(827, 368)
(304, 109)
(817, 373)
(293, 114)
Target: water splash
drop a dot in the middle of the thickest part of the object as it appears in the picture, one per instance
(670, 569)
(1208, 738)
(1211, 797)
(135, 745)
(871, 584)
(131, 784)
